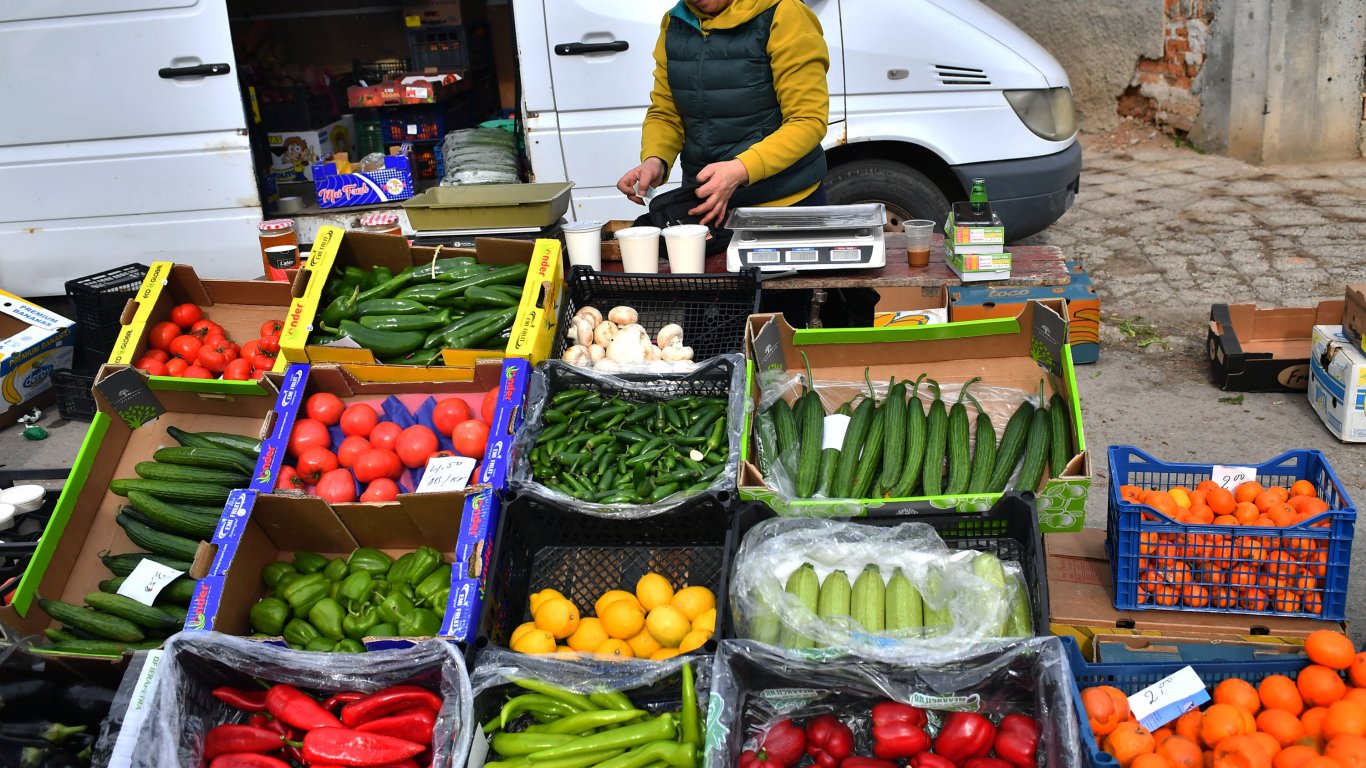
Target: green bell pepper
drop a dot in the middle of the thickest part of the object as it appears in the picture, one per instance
(299, 632)
(304, 591)
(326, 615)
(395, 607)
(269, 615)
(320, 644)
(435, 587)
(348, 646)
(383, 629)
(336, 570)
(356, 589)
(287, 578)
(271, 573)
(425, 560)
(309, 562)
(419, 622)
(398, 573)
(358, 625)
(370, 560)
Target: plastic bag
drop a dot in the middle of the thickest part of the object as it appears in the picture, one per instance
(722, 376)
(182, 708)
(754, 686)
(654, 686)
(944, 580)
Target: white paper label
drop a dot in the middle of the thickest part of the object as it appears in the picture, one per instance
(1168, 698)
(420, 93)
(835, 427)
(147, 580)
(127, 742)
(446, 473)
(479, 750)
(1232, 477)
(345, 342)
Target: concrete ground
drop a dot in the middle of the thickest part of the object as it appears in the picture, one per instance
(1164, 232)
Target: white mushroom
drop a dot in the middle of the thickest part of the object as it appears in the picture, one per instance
(591, 313)
(626, 348)
(604, 333)
(597, 352)
(670, 334)
(623, 315)
(652, 353)
(581, 331)
(676, 352)
(578, 355)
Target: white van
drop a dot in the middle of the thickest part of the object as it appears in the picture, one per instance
(125, 138)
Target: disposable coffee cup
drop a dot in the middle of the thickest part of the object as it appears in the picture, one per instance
(639, 249)
(919, 236)
(687, 247)
(583, 239)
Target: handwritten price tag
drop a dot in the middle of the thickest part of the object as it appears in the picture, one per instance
(446, 473)
(835, 427)
(147, 580)
(1232, 477)
(1168, 698)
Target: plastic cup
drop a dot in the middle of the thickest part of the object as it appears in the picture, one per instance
(919, 235)
(639, 249)
(687, 247)
(583, 239)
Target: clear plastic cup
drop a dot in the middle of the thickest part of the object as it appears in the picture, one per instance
(919, 236)
(583, 240)
(687, 247)
(639, 249)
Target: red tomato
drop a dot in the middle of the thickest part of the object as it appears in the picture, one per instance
(162, 335)
(257, 374)
(186, 315)
(205, 328)
(232, 351)
(212, 357)
(197, 372)
(314, 463)
(337, 487)
(471, 438)
(151, 367)
(382, 489)
(176, 367)
(359, 419)
(270, 344)
(477, 473)
(272, 327)
(159, 355)
(415, 446)
(263, 362)
(385, 435)
(237, 370)
(214, 337)
(376, 463)
(325, 407)
(289, 479)
(350, 450)
(448, 413)
(308, 434)
(185, 347)
(249, 350)
(490, 402)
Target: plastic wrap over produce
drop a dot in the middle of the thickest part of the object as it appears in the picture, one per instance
(896, 593)
(183, 708)
(844, 707)
(879, 453)
(480, 156)
(630, 446)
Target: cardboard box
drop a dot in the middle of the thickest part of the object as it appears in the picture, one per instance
(294, 153)
(33, 343)
(979, 302)
(409, 88)
(1264, 350)
(1337, 383)
(999, 350)
(432, 12)
(1353, 315)
(339, 185)
(1138, 649)
(1081, 603)
(910, 307)
(67, 564)
(533, 330)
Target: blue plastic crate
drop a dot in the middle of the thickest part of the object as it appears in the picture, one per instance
(1226, 562)
(1132, 678)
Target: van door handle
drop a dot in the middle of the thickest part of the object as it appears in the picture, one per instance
(579, 49)
(199, 70)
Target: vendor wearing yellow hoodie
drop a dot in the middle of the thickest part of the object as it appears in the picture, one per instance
(740, 94)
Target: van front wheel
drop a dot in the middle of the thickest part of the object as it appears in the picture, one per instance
(907, 193)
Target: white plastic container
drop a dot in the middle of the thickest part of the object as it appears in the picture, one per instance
(25, 498)
(7, 513)
(687, 247)
(639, 249)
(583, 240)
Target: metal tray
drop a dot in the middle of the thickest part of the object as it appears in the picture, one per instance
(488, 206)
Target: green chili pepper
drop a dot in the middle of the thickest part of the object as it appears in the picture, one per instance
(359, 625)
(391, 307)
(533, 702)
(690, 729)
(610, 699)
(419, 622)
(672, 753)
(271, 573)
(576, 700)
(269, 615)
(371, 560)
(423, 322)
(382, 343)
(626, 736)
(341, 308)
(586, 760)
(326, 616)
(423, 357)
(583, 722)
(517, 744)
(299, 632)
(394, 607)
(349, 645)
(309, 562)
(385, 289)
(335, 570)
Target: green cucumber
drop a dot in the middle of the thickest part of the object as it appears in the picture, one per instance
(894, 434)
(936, 441)
(959, 459)
(187, 491)
(205, 458)
(155, 470)
(179, 591)
(870, 458)
(810, 422)
(250, 446)
(1011, 447)
(1059, 444)
(170, 518)
(150, 538)
(1036, 450)
(92, 621)
(915, 444)
(785, 425)
(854, 435)
(122, 565)
(830, 458)
(984, 452)
(127, 608)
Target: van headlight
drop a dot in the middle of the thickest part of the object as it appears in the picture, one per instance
(1048, 112)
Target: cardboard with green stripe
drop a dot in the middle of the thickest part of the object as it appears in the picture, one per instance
(1012, 356)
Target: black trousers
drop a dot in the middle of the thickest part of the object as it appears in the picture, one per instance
(843, 307)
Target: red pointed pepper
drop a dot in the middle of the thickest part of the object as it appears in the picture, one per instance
(964, 735)
(247, 701)
(414, 724)
(291, 738)
(828, 740)
(387, 702)
(247, 760)
(294, 707)
(784, 744)
(866, 762)
(931, 760)
(343, 746)
(230, 739)
(336, 700)
(899, 730)
(986, 762)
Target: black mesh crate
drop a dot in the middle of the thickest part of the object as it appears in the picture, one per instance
(712, 309)
(540, 545)
(75, 401)
(376, 72)
(1010, 530)
(441, 48)
(98, 301)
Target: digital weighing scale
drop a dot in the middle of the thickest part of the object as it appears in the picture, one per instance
(815, 237)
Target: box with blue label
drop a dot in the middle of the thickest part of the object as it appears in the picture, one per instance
(33, 343)
(1337, 383)
(340, 183)
(979, 302)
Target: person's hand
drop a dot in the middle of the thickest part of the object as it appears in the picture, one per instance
(648, 174)
(718, 182)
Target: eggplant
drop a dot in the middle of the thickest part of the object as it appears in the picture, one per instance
(19, 694)
(46, 730)
(79, 703)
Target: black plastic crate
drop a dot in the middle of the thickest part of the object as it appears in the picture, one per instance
(1010, 530)
(540, 545)
(20, 542)
(75, 401)
(443, 47)
(712, 309)
(376, 72)
(98, 301)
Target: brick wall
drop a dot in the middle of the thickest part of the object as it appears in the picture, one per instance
(1161, 91)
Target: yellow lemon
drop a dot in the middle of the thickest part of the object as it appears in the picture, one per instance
(643, 644)
(558, 616)
(653, 590)
(542, 596)
(611, 596)
(614, 648)
(667, 625)
(664, 653)
(535, 641)
(1182, 499)
(705, 621)
(693, 640)
(521, 630)
(588, 636)
(563, 649)
(622, 619)
(694, 601)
